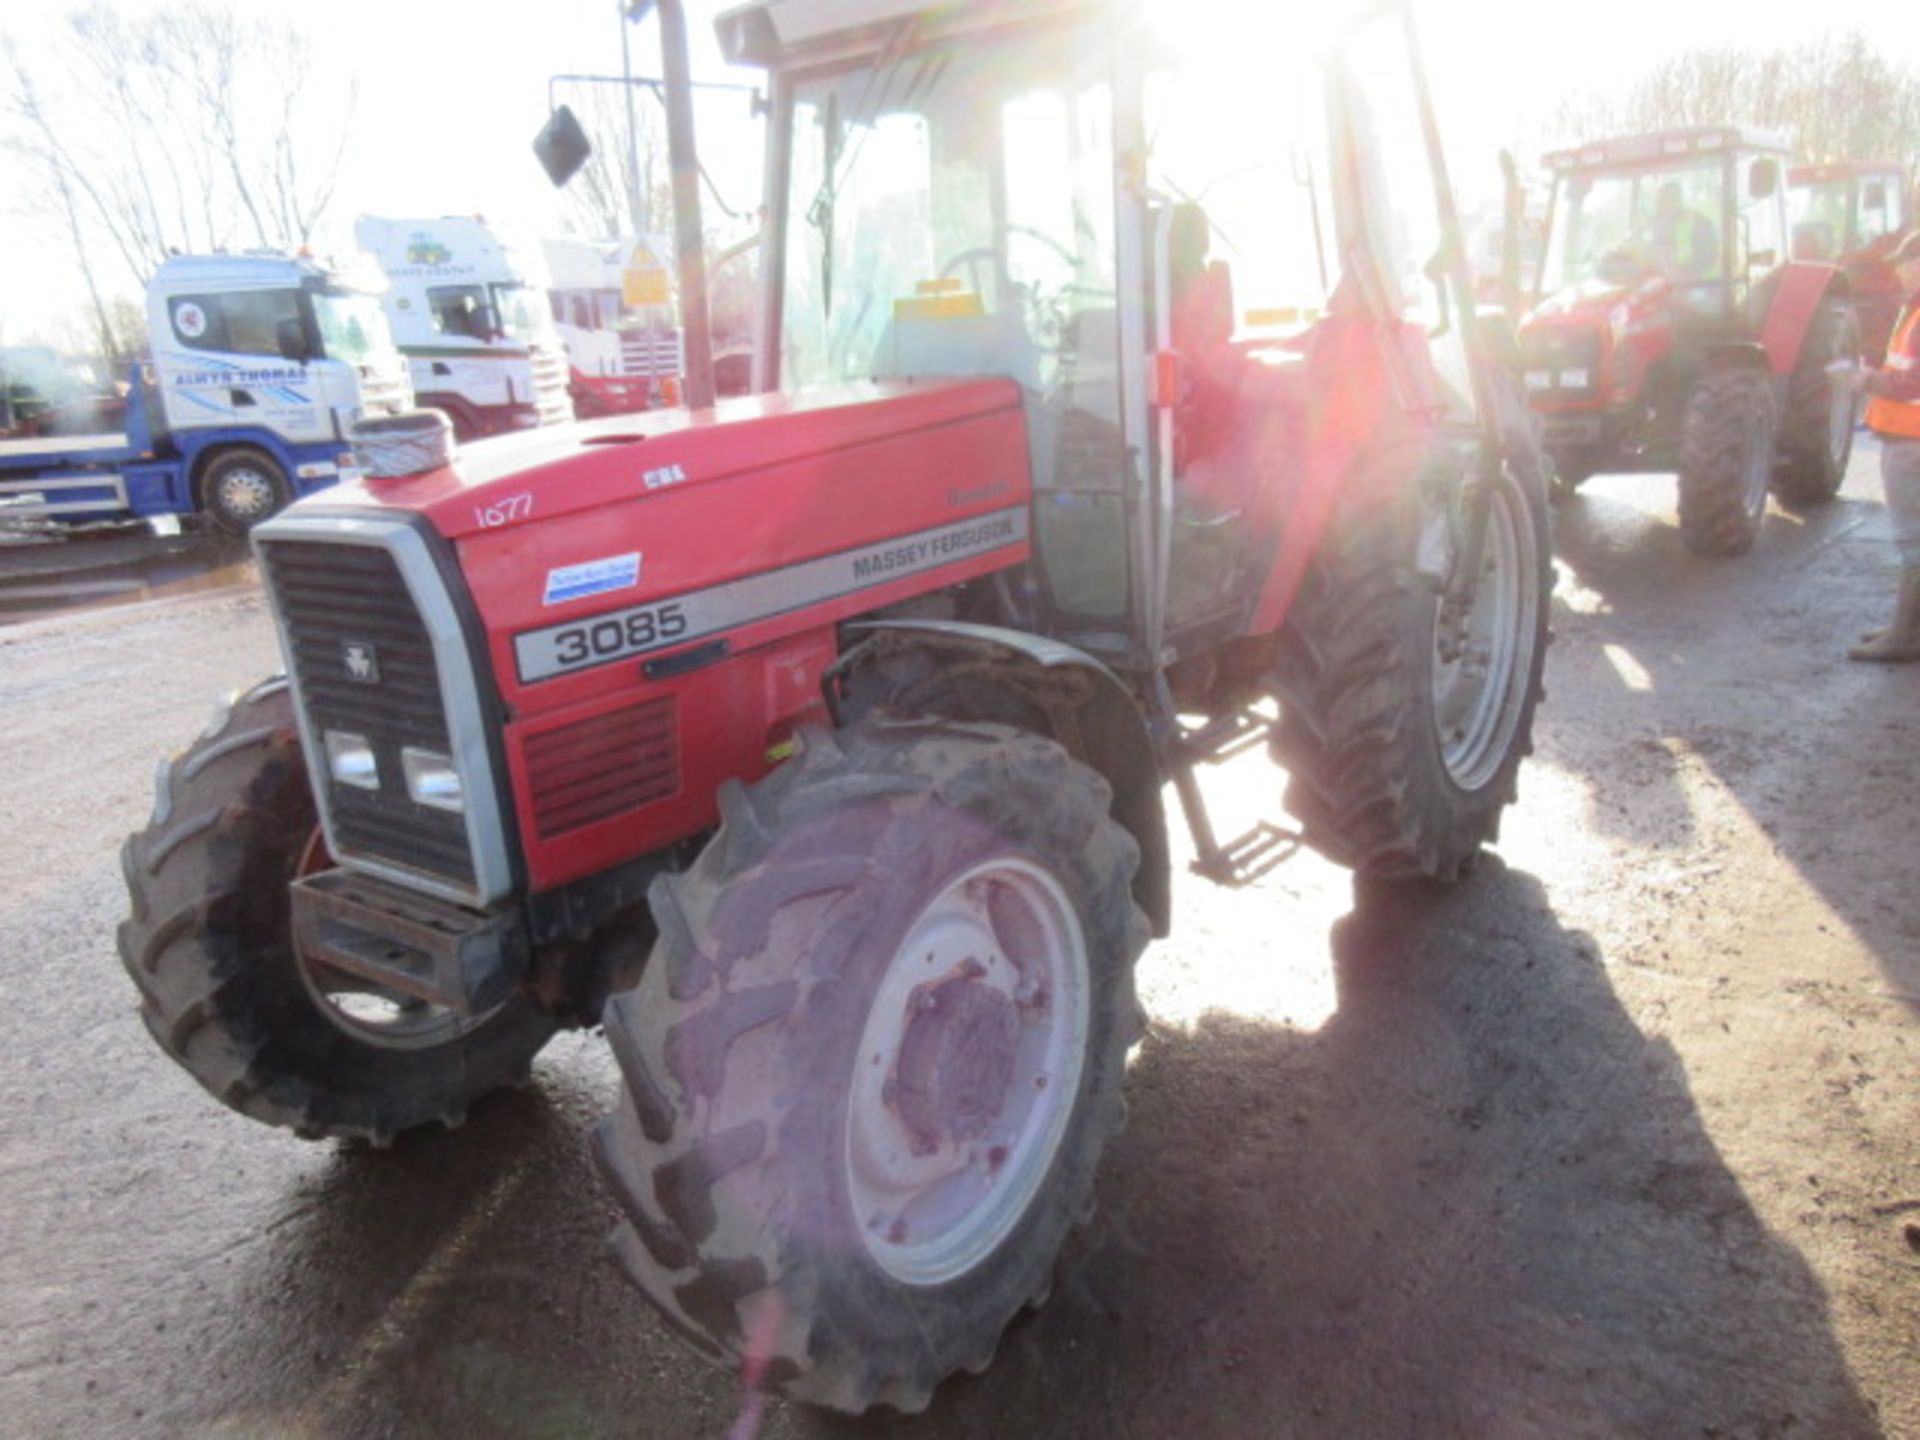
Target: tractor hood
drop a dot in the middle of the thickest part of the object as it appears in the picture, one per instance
(555, 471)
(1600, 300)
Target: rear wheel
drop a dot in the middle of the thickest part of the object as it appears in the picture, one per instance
(1823, 407)
(1726, 460)
(241, 488)
(875, 1057)
(1403, 732)
(227, 993)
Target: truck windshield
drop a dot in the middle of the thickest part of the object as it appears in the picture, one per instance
(521, 310)
(352, 327)
(1613, 227)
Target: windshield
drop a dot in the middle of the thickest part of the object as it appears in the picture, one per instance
(1832, 218)
(352, 326)
(1617, 226)
(956, 200)
(520, 310)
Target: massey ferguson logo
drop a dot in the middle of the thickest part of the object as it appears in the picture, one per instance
(362, 661)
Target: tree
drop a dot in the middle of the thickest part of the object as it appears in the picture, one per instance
(185, 129)
(610, 197)
(1840, 96)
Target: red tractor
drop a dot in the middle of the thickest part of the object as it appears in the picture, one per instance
(1854, 213)
(816, 740)
(1671, 331)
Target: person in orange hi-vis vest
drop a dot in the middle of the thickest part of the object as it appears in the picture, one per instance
(1894, 415)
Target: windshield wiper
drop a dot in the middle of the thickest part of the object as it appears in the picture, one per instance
(872, 99)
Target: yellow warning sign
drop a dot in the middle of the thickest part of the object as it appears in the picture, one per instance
(643, 281)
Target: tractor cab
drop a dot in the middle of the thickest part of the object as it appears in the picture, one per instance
(1853, 213)
(1847, 207)
(1697, 214)
(1072, 196)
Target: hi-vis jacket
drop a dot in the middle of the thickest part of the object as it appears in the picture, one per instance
(1897, 413)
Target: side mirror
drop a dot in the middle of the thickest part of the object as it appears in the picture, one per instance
(1763, 179)
(290, 339)
(562, 146)
(483, 323)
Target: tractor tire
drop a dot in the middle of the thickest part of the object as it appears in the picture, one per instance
(1382, 774)
(241, 488)
(1816, 430)
(210, 948)
(838, 1169)
(1726, 460)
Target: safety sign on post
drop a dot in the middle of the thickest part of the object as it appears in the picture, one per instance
(644, 279)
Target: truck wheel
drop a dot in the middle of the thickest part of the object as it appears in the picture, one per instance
(222, 987)
(1403, 742)
(241, 488)
(1726, 460)
(875, 1057)
(1823, 406)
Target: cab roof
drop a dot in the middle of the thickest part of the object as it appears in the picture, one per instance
(1844, 170)
(1657, 145)
(777, 33)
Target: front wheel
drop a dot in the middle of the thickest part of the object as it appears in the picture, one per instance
(1726, 460)
(242, 488)
(227, 992)
(875, 1057)
(1402, 728)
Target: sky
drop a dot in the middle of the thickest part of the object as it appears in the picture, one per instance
(451, 94)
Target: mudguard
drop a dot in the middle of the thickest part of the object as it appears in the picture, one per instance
(1803, 287)
(1094, 717)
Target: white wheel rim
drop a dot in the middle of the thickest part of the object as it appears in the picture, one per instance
(1759, 473)
(1480, 693)
(1842, 379)
(967, 1072)
(246, 492)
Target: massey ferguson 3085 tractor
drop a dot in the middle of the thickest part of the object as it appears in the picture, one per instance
(1673, 332)
(818, 739)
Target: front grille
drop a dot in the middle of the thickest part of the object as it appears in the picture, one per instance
(1556, 359)
(337, 600)
(651, 354)
(596, 769)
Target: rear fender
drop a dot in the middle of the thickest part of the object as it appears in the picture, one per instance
(983, 672)
(1802, 288)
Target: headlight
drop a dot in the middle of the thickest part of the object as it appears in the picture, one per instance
(1575, 379)
(432, 780)
(350, 760)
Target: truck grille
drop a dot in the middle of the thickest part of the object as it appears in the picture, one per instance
(596, 769)
(651, 354)
(550, 398)
(336, 602)
(1562, 363)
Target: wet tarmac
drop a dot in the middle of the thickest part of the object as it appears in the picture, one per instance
(1618, 1138)
(46, 574)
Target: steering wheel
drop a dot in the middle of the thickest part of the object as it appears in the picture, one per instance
(1046, 312)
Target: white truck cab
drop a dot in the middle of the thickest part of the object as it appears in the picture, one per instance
(260, 364)
(271, 341)
(625, 354)
(470, 314)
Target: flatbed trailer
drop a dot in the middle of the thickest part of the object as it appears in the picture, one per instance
(147, 470)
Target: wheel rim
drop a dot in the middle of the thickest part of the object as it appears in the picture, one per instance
(246, 492)
(967, 1073)
(1842, 408)
(1759, 472)
(1481, 672)
(360, 1008)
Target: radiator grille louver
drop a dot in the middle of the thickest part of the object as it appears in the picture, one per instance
(596, 769)
(331, 596)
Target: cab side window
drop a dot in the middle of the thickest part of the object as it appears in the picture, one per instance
(457, 309)
(236, 323)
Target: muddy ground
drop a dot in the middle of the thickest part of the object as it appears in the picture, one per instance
(1620, 1138)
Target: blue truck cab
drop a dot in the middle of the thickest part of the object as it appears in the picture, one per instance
(259, 364)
